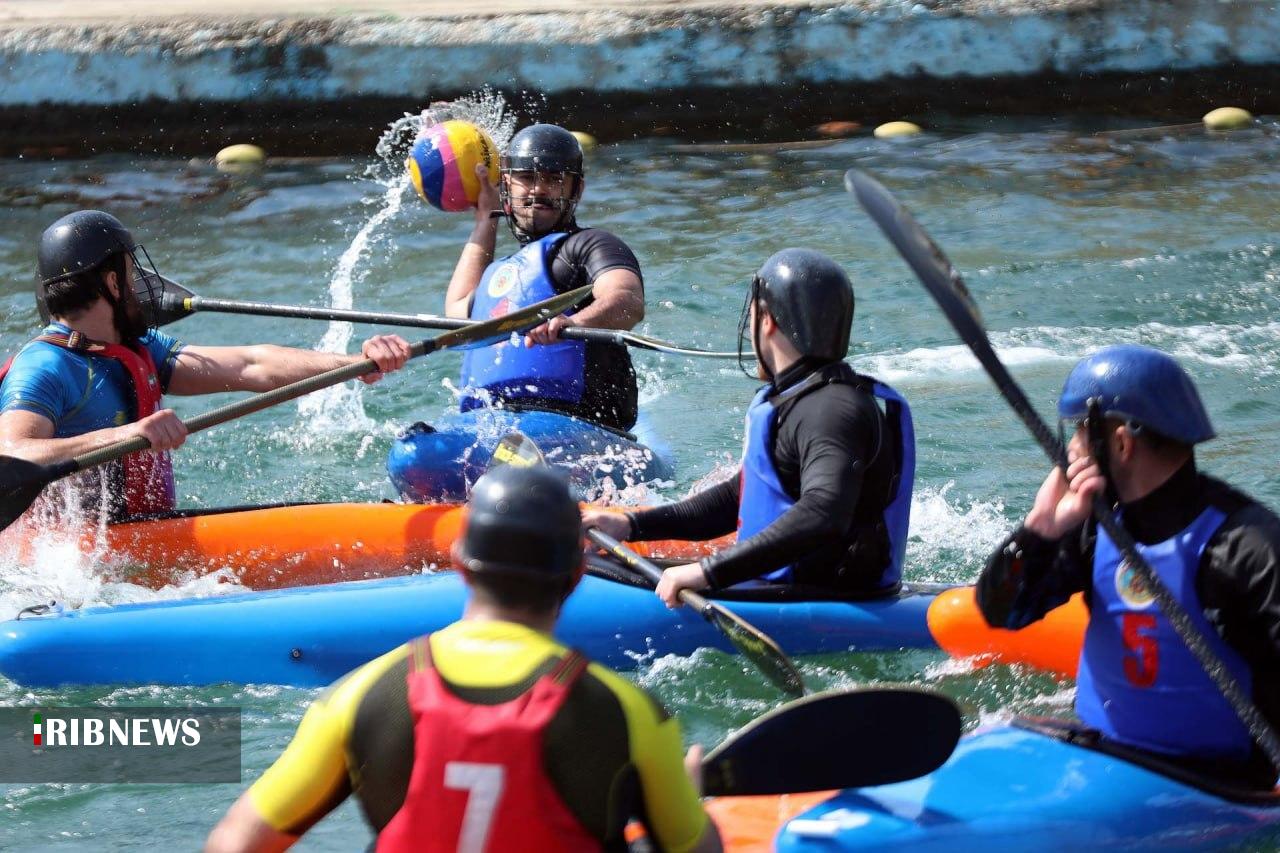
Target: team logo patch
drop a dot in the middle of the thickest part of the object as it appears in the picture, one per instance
(503, 279)
(1130, 588)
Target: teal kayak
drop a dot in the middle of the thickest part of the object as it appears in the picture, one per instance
(1041, 785)
(309, 636)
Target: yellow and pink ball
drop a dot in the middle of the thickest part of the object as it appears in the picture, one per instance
(442, 164)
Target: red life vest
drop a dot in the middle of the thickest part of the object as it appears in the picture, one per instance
(146, 478)
(478, 782)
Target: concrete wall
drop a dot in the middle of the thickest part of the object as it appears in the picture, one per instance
(611, 51)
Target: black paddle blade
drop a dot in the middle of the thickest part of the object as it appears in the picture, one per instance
(163, 300)
(839, 739)
(757, 647)
(517, 449)
(924, 257)
(948, 289)
(21, 483)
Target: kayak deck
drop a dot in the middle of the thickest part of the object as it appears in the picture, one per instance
(1014, 788)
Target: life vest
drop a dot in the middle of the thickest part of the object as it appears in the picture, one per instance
(511, 371)
(478, 782)
(762, 499)
(140, 482)
(1138, 683)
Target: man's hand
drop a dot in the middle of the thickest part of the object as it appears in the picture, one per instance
(389, 351)
(677, 578)
(487, 200)
(163, 430)
(1065, 502)
(611, 523)
(548, 332)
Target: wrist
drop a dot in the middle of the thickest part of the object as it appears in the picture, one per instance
(633, 527)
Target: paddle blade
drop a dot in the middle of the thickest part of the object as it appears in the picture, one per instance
(517, 449)
(163, 300)
(839, 739)
(923, 255)
(758, 647)
(21, 483)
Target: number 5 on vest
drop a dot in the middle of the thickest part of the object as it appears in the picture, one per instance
(1143, 664)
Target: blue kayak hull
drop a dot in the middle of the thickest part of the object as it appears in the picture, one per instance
(1013, 789)
(309, 636)
(428, 464)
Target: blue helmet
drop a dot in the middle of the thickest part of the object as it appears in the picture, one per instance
(1140, 385)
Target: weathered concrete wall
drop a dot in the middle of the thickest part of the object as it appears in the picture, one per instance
(961, 48)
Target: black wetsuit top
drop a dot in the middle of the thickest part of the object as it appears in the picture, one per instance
(609, 397)
(1238, 583)
(835, 456)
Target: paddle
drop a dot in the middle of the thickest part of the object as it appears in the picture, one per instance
(22, 481)
(949, 291)
(754, 644)
(176, 302)
(839, 739)
(518, 449)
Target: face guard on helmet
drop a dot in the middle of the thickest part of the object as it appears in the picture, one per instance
(542, 167)
(83, 242)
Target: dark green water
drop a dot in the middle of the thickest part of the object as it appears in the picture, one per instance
(1068, 242)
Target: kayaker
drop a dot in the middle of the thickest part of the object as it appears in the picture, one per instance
(538, 193)
(823, 496)
(1135, 418)
(96, 374)
(488, 734)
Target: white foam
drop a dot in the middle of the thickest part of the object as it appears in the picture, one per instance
(949, 538)
(1245, 348)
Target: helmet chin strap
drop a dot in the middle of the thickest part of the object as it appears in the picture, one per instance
(1099, 447)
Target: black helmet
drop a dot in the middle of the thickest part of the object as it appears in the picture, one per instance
(80, 242)
(811, 299)
(543, 148)
(523, 521)
(549, 149)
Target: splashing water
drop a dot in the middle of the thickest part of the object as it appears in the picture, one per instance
(338, 410)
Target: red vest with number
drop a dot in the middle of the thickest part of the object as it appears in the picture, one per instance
(478, 782)
(143, 482)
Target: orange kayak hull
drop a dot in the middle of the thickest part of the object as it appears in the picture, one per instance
(1051, 644)
(297, 545)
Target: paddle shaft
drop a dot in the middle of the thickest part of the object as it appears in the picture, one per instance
(473, 333)
(944, 283)
(754, 644)
(191, 304)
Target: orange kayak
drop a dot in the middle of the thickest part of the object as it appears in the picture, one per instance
(748, 824)
(1052, 644)
(296, 545)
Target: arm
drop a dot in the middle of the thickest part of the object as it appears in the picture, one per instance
(709, 513)
(601, 259)
(477, 254)
(1051, 555)
(27, 435)
(307, 782)
(263, 367)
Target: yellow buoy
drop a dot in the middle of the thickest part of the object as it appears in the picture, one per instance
(586, 140)
(892, 129)
(235, 158)
(1227, 118)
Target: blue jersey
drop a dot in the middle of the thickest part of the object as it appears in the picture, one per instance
(77, 392)
(1138, 683)
(509, 371)
(763, 500)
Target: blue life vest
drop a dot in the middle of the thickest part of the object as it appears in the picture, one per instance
(762, 499)
(511, 371)
(1138, 683)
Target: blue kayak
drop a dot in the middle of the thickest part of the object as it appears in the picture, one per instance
(309, 636)
(430, 463)
(1040, 786)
